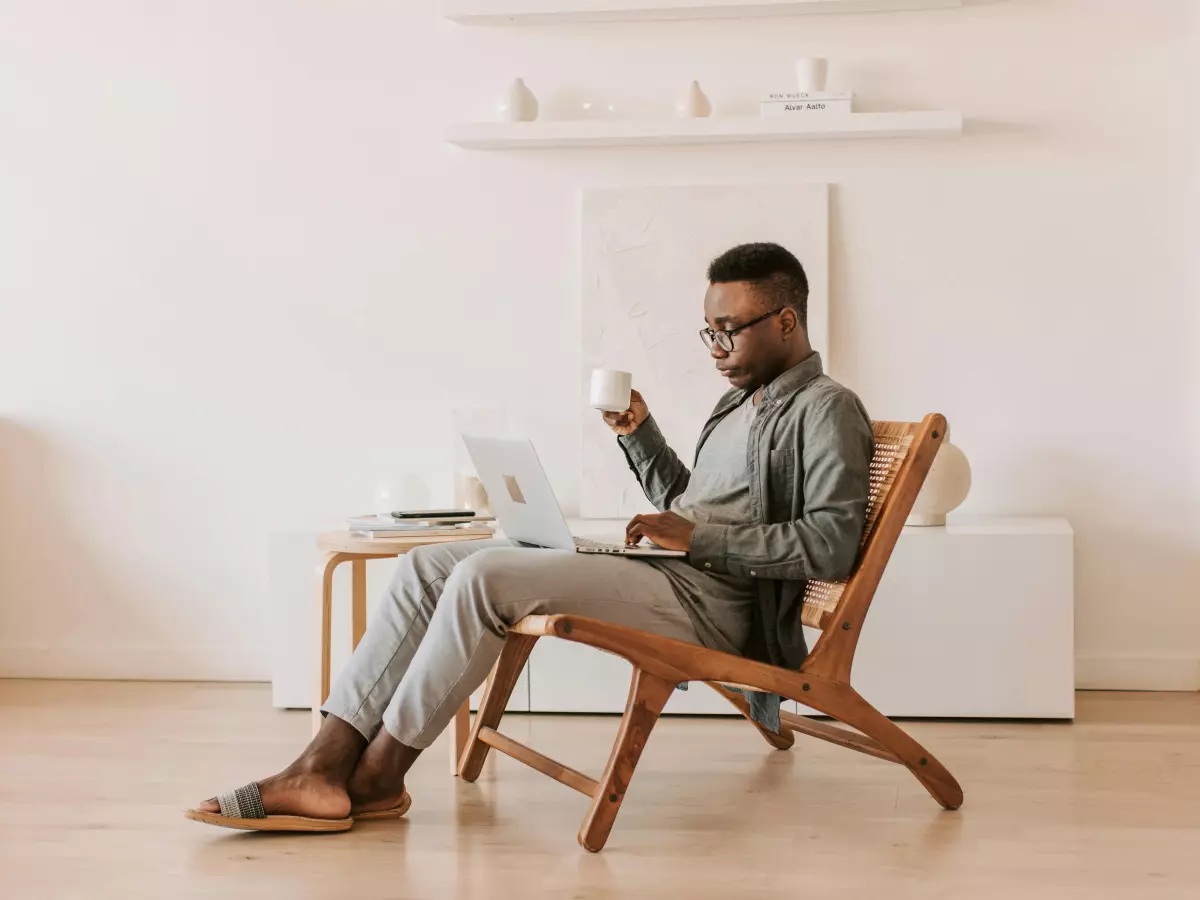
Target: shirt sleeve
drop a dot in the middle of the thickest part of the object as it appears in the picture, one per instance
(659, 471)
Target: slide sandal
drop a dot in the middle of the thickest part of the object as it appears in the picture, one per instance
(394, 813)
(243, 809)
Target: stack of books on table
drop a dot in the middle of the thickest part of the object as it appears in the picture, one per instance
(391, 526)
(794, 103)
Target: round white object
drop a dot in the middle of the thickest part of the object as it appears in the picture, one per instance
(945, 488)
(405, 491)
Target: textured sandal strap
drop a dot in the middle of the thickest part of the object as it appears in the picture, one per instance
(243, 803)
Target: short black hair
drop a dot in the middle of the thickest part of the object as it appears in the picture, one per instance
(771, 269)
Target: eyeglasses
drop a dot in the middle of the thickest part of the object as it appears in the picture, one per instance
(724, 339)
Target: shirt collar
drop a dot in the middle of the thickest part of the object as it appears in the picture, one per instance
(794, 378)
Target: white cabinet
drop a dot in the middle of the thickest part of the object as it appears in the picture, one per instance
(972, 620)
(567, 677)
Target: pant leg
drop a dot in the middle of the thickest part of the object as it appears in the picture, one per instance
(363, 689)
(493, 589)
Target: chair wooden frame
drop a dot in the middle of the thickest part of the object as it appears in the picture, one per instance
(904, 452)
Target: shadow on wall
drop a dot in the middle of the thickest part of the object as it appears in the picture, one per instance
(53, 584)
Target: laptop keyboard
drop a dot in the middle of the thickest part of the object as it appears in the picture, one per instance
(605, 546)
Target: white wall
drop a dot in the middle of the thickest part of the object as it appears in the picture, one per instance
(242, 279)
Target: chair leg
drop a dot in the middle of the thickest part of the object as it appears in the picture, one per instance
(648, 694)
(495, 698)
(781, 741)
(460, 730)
(848, 706)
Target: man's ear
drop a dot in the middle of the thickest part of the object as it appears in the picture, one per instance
(789, 321)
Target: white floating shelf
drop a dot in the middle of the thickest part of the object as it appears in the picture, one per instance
(667, 132)
(547, 12)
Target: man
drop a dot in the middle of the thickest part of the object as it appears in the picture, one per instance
(778, 495)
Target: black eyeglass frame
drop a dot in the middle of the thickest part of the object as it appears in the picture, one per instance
(724, 338)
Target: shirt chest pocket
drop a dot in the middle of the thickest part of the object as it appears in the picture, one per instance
(783, 482)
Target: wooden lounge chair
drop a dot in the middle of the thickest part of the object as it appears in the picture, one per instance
(903, 454)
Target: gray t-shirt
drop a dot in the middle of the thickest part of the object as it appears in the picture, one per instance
(718, 493)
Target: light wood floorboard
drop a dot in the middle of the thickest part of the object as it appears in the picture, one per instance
(93, 777)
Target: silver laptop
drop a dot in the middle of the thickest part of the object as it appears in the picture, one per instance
(525, 505)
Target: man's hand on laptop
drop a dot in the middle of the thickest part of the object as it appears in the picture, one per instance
(668, 530)
(624, 423)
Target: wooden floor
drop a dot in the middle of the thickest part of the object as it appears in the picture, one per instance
(93, 778)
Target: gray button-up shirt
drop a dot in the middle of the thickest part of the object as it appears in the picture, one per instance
(808, 457)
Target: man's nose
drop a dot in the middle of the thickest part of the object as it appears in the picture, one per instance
(716, 351)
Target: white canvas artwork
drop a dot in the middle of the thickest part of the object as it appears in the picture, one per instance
(645, 253)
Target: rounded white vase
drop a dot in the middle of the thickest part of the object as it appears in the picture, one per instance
(470, 494)
(405, 491)
(693, 105)
(518, 103)
(946, 487)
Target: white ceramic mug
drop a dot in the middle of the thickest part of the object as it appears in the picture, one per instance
(810, 74)
(610, 390)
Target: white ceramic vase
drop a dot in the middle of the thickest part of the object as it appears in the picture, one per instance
(470, 494)
(518, 104)
(406, 491)
(811, 72)
(694, 104)
(945, 488)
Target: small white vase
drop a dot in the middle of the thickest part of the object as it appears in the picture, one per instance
(946, 487)
(518, 104)
(811, 72)
(469, 493)
(694, 104)
(405, 491)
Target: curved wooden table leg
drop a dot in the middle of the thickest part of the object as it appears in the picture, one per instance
(325, 569)
(781, 741)
(846, 705)
(648, 694)
(358, 601)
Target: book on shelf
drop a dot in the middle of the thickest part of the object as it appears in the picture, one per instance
(789, 96)
(804, 108)
(791, 103)
(428, 531)
(386, 522)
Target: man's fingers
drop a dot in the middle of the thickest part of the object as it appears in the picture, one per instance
(645, 526)
(635, 529)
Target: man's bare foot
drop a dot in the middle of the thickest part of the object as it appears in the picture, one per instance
(315, 784)
(377, 782)
(298, 794)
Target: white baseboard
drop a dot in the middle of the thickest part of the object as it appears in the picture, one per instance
(1137, 673)
(218, 662)
(225, 663)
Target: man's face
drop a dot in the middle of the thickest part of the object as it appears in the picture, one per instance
(756, 350)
